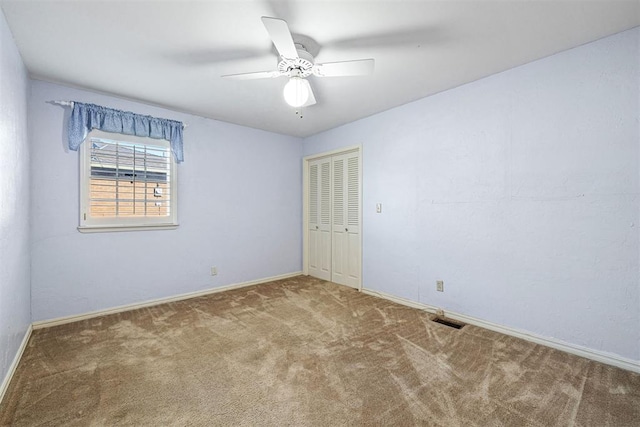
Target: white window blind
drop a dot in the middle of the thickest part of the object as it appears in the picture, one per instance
(127, 182)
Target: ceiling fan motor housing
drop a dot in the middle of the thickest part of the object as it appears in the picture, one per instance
(303, 63)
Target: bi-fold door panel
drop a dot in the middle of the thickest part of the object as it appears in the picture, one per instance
(346, 220)
(319, 252)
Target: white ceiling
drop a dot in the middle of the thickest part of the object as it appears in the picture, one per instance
(172, 53)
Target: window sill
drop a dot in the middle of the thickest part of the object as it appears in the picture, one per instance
(109, 229)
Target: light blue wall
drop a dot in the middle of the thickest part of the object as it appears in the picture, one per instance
(239, 210)
(520, 191)
(15, 312)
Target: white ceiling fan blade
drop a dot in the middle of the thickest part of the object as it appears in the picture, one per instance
(253, 76)
(312, 98)
(360, 67)
(281, 36)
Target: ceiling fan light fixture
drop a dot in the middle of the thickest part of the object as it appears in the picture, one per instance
(296, 92)
(297, 63)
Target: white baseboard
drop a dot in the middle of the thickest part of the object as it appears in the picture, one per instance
(598, 356)
(75, 318)
(14, 365)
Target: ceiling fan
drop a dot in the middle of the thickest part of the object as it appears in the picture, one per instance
(298, 64)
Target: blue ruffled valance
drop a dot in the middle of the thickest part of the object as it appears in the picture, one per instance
(86, 117)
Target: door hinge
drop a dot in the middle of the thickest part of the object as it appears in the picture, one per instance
(85, 216)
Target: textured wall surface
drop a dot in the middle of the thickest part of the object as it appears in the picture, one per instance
(15, 312)
(239, 193)
(520, 191)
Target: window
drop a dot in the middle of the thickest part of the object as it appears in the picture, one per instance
(126, 182)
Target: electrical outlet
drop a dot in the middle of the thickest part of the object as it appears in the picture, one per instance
(440, 312)
(214, 271)
(378, 207)
(440, 285)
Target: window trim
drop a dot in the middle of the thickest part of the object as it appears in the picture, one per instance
(97, 225)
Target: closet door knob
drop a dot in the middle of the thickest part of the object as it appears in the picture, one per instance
(346, 229)
(316, 227)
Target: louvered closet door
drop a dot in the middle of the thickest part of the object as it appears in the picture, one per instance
(320, 219)
(346, 220)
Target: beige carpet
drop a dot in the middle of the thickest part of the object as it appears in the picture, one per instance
(304, 352)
